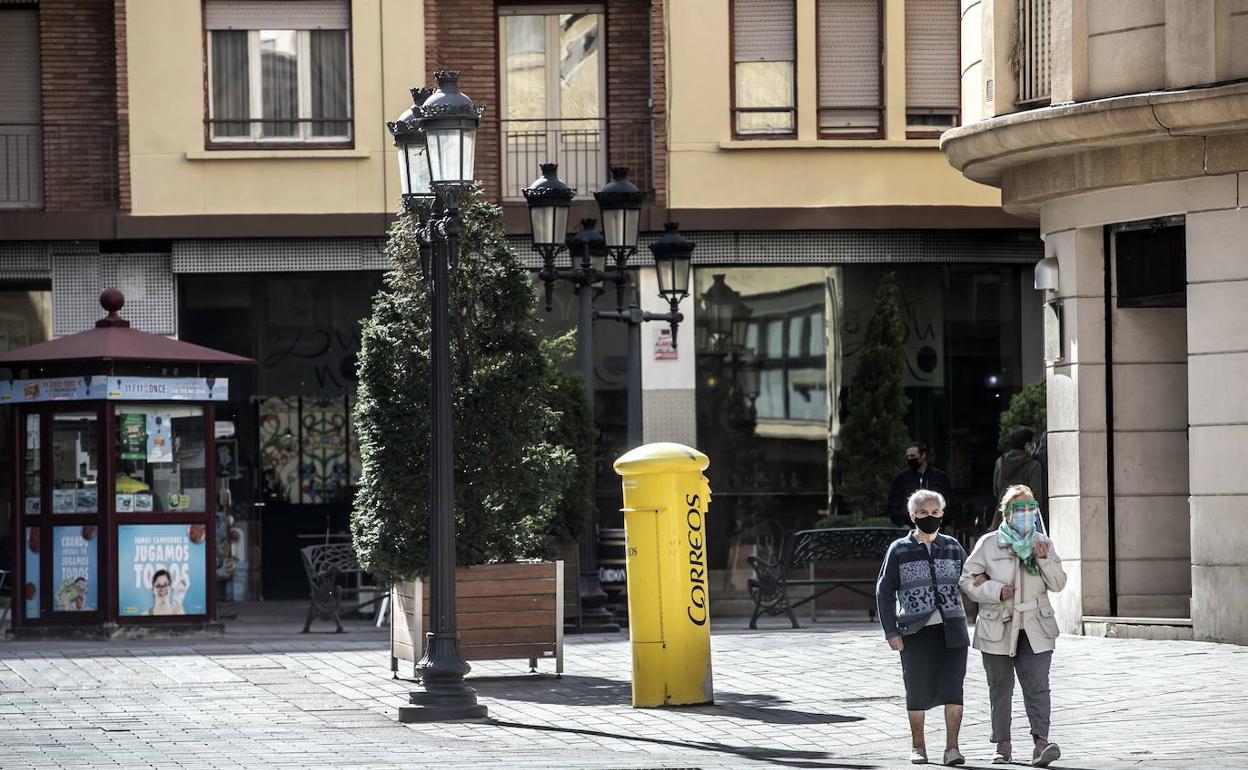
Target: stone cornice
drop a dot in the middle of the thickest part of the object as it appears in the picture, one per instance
(987, 150)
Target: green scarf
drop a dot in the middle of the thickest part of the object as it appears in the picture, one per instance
(1022, 545)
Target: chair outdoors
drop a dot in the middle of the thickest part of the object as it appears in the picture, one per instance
(335, 574)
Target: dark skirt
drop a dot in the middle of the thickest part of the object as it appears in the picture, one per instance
(933, 672)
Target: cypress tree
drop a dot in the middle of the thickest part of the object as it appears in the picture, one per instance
(520, 431)
(874, 435)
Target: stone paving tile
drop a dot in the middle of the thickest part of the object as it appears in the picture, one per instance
(829, 697)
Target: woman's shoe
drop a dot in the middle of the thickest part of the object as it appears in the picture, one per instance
(1004, 754)
(953, 757)
(1045, 754)
(918, 756)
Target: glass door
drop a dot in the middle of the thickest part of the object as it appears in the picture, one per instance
(61, 476)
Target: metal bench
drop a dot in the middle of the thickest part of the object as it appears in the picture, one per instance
(769, 588)
(334, 574)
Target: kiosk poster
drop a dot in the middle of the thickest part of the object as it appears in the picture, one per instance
(31, 589)
(133, 438)
(75, 569)
(161, 569)
(159, 439)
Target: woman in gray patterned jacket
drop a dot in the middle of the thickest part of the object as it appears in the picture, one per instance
(920, 607)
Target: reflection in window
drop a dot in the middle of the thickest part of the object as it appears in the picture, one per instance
(75, 463)
(160, 459)
(552, 82)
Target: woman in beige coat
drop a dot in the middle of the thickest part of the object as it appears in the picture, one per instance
(1010, 573)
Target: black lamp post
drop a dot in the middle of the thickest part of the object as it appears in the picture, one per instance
(619, 202)
(436, 143)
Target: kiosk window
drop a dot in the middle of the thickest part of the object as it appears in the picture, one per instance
(75, 462)
(160, 459)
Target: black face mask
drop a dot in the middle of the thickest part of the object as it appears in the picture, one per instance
(913, 463)
(929, 524)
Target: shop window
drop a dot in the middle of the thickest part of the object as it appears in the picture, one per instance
(851, 67)
(1150, 259)
(161, 463)
(933, 69)
(278, 72)
(764, 56)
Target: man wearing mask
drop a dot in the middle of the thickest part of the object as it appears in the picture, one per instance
(1018, 466)
(917, 475)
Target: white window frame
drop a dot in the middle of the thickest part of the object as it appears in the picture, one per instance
(303, 53)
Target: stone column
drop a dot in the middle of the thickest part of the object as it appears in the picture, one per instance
(1217, 328)
(1076, 423)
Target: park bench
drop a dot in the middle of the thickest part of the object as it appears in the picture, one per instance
(769, 588)
(335, 574)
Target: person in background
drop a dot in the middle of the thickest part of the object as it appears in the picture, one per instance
(919, 474)
(1010, 572)
(920, 608)
(1016, 466)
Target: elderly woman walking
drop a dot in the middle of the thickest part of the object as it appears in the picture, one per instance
(920, 608)
(1010, 572)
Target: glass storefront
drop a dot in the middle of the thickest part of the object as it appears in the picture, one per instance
(293, 454)
(777, 348)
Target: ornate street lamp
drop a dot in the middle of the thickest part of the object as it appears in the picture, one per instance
(619, 203)
(722, 306)
(448, 119)
(672, 256)
(409, 140)
(548, 199)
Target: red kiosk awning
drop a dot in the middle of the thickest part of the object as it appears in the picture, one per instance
(112, 339)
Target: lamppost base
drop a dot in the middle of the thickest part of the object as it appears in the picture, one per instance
(457, 704)
(596, 620)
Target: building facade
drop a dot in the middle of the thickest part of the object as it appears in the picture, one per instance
(1122, 128)
(245, 182)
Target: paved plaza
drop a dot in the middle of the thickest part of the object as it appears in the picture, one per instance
(824, 697)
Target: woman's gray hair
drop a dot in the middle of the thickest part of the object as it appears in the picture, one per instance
(923, 496)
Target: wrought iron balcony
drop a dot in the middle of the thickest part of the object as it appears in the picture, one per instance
(57, 165)
(584, 148)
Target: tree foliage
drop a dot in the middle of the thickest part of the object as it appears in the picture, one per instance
(874, 435)
(1027, 407)
(521, 430)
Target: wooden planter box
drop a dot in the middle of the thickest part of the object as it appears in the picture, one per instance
(505, 612)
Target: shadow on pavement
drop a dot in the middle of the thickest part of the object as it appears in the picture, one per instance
(599, 691)
(779, 757)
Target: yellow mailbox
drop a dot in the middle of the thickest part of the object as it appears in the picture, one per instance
(669, 612)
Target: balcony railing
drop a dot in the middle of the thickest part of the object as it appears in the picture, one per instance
(1032, 53)
(584, 149)
(82, 166)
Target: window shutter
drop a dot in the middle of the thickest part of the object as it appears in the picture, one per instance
(277, 14)
(764, 30)
(932, 51)
(19, 61)
(849, 53)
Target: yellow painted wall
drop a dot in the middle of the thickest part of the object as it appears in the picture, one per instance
(708, 169)
(172, 173)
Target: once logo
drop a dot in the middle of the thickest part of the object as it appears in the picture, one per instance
(697, 563)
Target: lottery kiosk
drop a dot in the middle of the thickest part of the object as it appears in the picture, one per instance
(114, 481)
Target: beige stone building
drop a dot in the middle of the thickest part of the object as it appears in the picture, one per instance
(1122, 128)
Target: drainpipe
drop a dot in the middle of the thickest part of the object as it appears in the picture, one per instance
(1109, 421)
